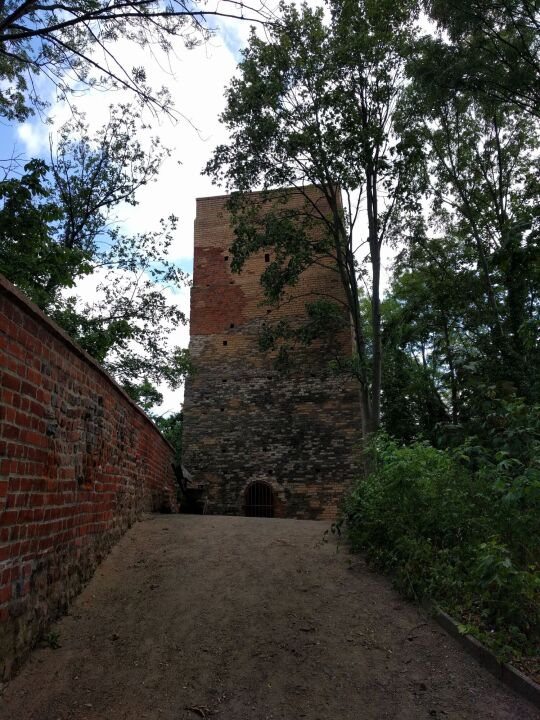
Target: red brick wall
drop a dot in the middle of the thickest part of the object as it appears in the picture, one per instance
(244, 421)
(79, 463)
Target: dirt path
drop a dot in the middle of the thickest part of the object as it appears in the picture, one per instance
(245, 618)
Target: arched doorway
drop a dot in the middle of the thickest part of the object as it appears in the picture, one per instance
(259, 500)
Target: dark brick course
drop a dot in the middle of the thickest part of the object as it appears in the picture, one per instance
(243, 420)
(79, 463)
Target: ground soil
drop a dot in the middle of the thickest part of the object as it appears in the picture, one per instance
(245, 618)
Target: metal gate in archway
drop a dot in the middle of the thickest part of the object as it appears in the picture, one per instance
(259, 500)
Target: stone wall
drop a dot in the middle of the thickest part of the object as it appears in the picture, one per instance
(79, 463)
(245, 421)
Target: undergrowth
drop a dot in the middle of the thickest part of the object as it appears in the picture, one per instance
(461, 528)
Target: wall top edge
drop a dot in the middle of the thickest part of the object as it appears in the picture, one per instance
(209, 198)
(32, 309)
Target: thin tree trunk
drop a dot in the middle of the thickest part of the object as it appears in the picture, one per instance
(453, 380)
(347, 270)
(375, 254)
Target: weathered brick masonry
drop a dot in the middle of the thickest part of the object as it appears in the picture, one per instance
(246, 422)
(79, 463)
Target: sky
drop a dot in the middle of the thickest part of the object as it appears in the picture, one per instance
(196, 78)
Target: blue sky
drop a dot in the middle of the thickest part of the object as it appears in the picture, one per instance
(200, 76)
(9, 141)
(215, 62)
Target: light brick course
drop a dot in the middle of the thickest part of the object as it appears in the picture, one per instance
(243, 420)
(79, 463)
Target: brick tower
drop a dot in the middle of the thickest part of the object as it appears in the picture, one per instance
(257, 441)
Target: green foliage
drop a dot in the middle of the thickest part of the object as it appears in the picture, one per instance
(462, 312)
(58, 223)
(171, 427)
(461, 527)
(74, 46)
(52, 640)
(313, 108)
(144, 394)
(489, 47)
(463, 306)
(29, 254)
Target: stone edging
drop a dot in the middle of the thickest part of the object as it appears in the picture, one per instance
(509, 675)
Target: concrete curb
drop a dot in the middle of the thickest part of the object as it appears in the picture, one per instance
(504, 672)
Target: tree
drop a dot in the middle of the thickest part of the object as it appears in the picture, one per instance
(418, 387)
(93, 175)
(73, 44)
(58, 224)
(29, 255)
(484, 192)
(462, 312)
(314, 106)
(490, 48)
(435, 337)
(171, 427)
(465, 291)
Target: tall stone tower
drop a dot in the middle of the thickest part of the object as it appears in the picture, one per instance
(257, 441)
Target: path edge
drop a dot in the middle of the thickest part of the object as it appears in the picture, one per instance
(506, 673)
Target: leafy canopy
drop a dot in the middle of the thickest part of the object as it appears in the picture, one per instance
(314, 107)
(58, 224)
(75, 45)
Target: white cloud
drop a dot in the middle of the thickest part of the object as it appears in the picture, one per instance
(196, 79)
(34, 137)
(87, 292)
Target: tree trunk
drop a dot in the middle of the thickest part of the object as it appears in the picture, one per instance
(453, 379)
(375, 254)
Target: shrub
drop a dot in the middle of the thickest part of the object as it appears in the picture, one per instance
(460, 527)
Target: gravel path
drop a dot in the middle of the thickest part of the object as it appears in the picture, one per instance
(248, 619)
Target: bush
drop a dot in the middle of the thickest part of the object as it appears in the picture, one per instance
(171, 428)
(460, 527)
